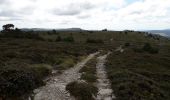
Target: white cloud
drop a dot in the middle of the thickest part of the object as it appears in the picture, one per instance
(146, 14)
(89, 14)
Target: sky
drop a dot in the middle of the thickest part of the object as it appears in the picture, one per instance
(87, 14)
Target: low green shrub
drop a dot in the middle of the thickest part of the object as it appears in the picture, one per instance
(139, 77)
(21, 34)
(148, 48)
(82, 90)
(58, 39)
(66, 63)
(127, 44)
(89, 71)
(139, 50)
(68, 39)
(16, 82)
(154, 51)
(41, 70)
(128, 85)
(50, 40)
(94, 41)
(89, 77)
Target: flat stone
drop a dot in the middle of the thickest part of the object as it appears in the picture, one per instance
(107, 98)
(106, 92)
(103, 85)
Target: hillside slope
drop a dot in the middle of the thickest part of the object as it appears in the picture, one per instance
(27, 58)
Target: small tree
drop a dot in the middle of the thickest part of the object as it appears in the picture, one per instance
(148, 48)
(58, 38)
(94, 41)
(104, 30)
(126, 32)
(127, 44)
(69, 39)
(8, 27)
(18, 30)
(54, 31)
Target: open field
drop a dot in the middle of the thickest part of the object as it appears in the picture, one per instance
(140, 72)
(140, 75)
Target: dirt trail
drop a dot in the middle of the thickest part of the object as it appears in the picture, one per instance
(105, 92)
(55, 87)
(120, 49)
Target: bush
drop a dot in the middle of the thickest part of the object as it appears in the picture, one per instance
(20, 34)
(66, 63)
(69, 39)
(154, 51)
(90, 31)
(58, 39)
(15, 82)
(89, 77)
(89, 71)
(41, 70)
(127, 44)
(50, 40)
(131, 86)
(82, 90)
(138, 77)
(126, 32)
(139, 50)
(94, 41)
(104, 30)
(138, 90)
(148, 48)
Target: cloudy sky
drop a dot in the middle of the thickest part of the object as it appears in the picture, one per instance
(86, 14)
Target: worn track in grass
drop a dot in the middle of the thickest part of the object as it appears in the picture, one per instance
(55, 87)
(103, 83)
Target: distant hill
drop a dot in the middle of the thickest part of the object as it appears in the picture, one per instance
(45, 29)
(35, 29)
(165, 32)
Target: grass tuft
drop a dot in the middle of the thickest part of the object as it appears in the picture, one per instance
(82, 90)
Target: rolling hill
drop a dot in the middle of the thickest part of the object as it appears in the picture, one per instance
(165, 32)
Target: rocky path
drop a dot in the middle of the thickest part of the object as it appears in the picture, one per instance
(105, 92)
(55, 87)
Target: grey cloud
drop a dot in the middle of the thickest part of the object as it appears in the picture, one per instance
(7, 13)
(66, 12)
(73, 9)
(64, 22)
(83, 16)
(136, 12)
(86, 5)
(26, 10)
(11, 19)
(3, 2)
(16, 14)
(33, 0)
